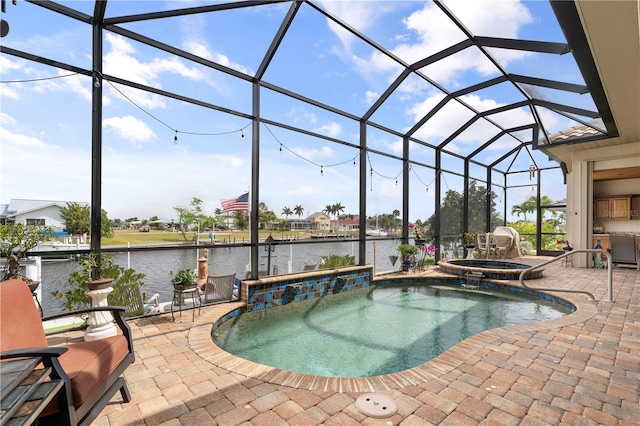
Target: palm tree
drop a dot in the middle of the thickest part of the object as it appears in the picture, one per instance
(395, 213)
(328, 209)
(298, 210)
(337, 209)
(528, 206)
(519, 209)
(286, 211)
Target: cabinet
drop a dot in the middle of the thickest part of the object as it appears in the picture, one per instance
(605, 242)
(602, 208)
(613, 208)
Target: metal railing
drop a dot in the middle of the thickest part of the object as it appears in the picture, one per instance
(567, 254)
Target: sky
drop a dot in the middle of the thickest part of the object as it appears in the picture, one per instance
(160, 152)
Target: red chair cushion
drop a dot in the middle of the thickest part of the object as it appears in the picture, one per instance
(89, 364)
(20, 322)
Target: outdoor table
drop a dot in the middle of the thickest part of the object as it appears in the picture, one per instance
(179, 296)
(24, 391)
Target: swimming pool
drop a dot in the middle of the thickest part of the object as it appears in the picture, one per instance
(375, 330)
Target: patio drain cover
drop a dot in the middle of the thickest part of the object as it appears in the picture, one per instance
(376, 405)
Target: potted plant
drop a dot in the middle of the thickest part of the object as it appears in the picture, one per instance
(183, 279)
(408, 253)
(564, 244)
(16, 239)
(74, 294)
(469, 239)
(419, 238)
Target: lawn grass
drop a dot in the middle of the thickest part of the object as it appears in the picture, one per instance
(122, 237)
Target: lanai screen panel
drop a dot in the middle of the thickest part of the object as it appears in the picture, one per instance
(422, 192)
(197, 70)
(213, 35)
(307, 117)
(307, 171)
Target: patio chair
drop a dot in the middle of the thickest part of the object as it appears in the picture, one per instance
(135, 303)
(218, 289)
(91, 371)
(483, 247)
(624, 249)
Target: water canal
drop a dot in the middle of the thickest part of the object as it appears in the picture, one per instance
(157, 265)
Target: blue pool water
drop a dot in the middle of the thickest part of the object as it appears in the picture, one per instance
(375, 330)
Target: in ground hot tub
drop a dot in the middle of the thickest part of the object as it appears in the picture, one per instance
(493, 269)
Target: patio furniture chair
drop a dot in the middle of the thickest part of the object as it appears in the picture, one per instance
(624, 249)
(218, 289)
(261, 274)
(483, 247)
(135, 303)
(91, 371)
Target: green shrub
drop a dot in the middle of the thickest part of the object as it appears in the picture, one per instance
(335, 261)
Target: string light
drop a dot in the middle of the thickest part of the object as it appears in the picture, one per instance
(280, 148)
(175, 138)
(241, 134)
(371, 180)
(321, 171)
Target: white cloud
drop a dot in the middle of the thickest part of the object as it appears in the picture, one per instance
(6, 119)
(330, 129)
(371, 97)
(47, 163)
(429, 31)
(313, 154)
(120, 61)
(18, 140)
(359, 14)
(130, 129)
(298, 112)
(135, 182)
(194, 33)
(10, 90)
(44, 83)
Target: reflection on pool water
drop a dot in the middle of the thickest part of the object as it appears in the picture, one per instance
(375, 330)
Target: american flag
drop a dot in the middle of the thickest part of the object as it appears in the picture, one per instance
(238, 204)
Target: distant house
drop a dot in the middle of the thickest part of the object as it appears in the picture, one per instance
(34, 212)
(347, 225)
(322, 221)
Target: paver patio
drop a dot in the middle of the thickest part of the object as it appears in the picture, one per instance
(583, 369)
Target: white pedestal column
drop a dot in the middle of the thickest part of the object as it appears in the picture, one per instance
(101, 324)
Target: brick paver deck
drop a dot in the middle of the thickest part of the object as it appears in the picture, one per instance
(583, 369)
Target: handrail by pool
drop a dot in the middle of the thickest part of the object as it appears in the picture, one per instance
(570, 253)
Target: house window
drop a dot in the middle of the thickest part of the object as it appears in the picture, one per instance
(37, 222)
